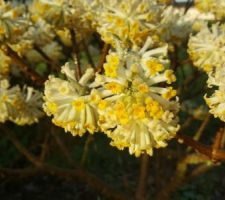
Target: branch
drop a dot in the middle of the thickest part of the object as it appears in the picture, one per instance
(102, 59)
(86, 148)
(61, 145)
(202, 127)
(180, 177)
(211, 152)
(75, 53)
(29, 72)
(143, 177)
(77, 174)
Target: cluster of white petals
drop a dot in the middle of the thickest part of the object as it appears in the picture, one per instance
(126, 102)
(216, 7)
(131, 21)
(176, 24)
(64, 14)
(70, 101)
(216, 101)
(207, 47)
(19, 106)
(134, 110)
(12, 22)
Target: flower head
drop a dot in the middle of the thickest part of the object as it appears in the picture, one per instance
(207, 48)
(70, 101)
(130, 21)
(216, 101)
(215, 6)
(135, 111)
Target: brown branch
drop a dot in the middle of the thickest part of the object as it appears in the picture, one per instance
(86, 148)
(75, 53)
(42, 53)
(61, 145)
(213, 154)
(143, 177)
(44, 147)
(102, 59)
(77, 174)
(180, 177)
(202, 127)
(29, 72)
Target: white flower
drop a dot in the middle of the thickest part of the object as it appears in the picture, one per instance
(19, 106)
(207, 48)
(130, 20)
(215, 6)
(176, 24)
(70, 102)
(135, 112)
(7, 98)
(216, 101)
(27, 108)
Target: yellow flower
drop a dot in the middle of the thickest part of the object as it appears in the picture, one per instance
(154, 67)
(114, 87)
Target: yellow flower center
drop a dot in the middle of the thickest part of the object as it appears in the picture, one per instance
(114, 87)
(170, 93)
(110, 70)
(138, 111)
(52, 107)
(78, 104)
(154, 67)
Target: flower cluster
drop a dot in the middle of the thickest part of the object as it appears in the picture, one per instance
(12, 22)
(216, 101)
(135, 111)
(19, 106)
(214, 6)
(176, 24)
(130, 21)
(64, 15)
(207, 51)
(70, 101)
(126, 102)
(4, 64)
(207, 47)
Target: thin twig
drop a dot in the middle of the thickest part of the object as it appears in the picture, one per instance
(102, 59)
(44, 147)
(202, 127)
(52, 64)
(29, 72)
(143, 177)
(217, 155)
(86, 148)
(180, 177)
(75, 53)
(62, 146)
(77, 174)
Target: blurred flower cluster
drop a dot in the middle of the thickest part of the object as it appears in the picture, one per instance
(21, 106)
(207, 51)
